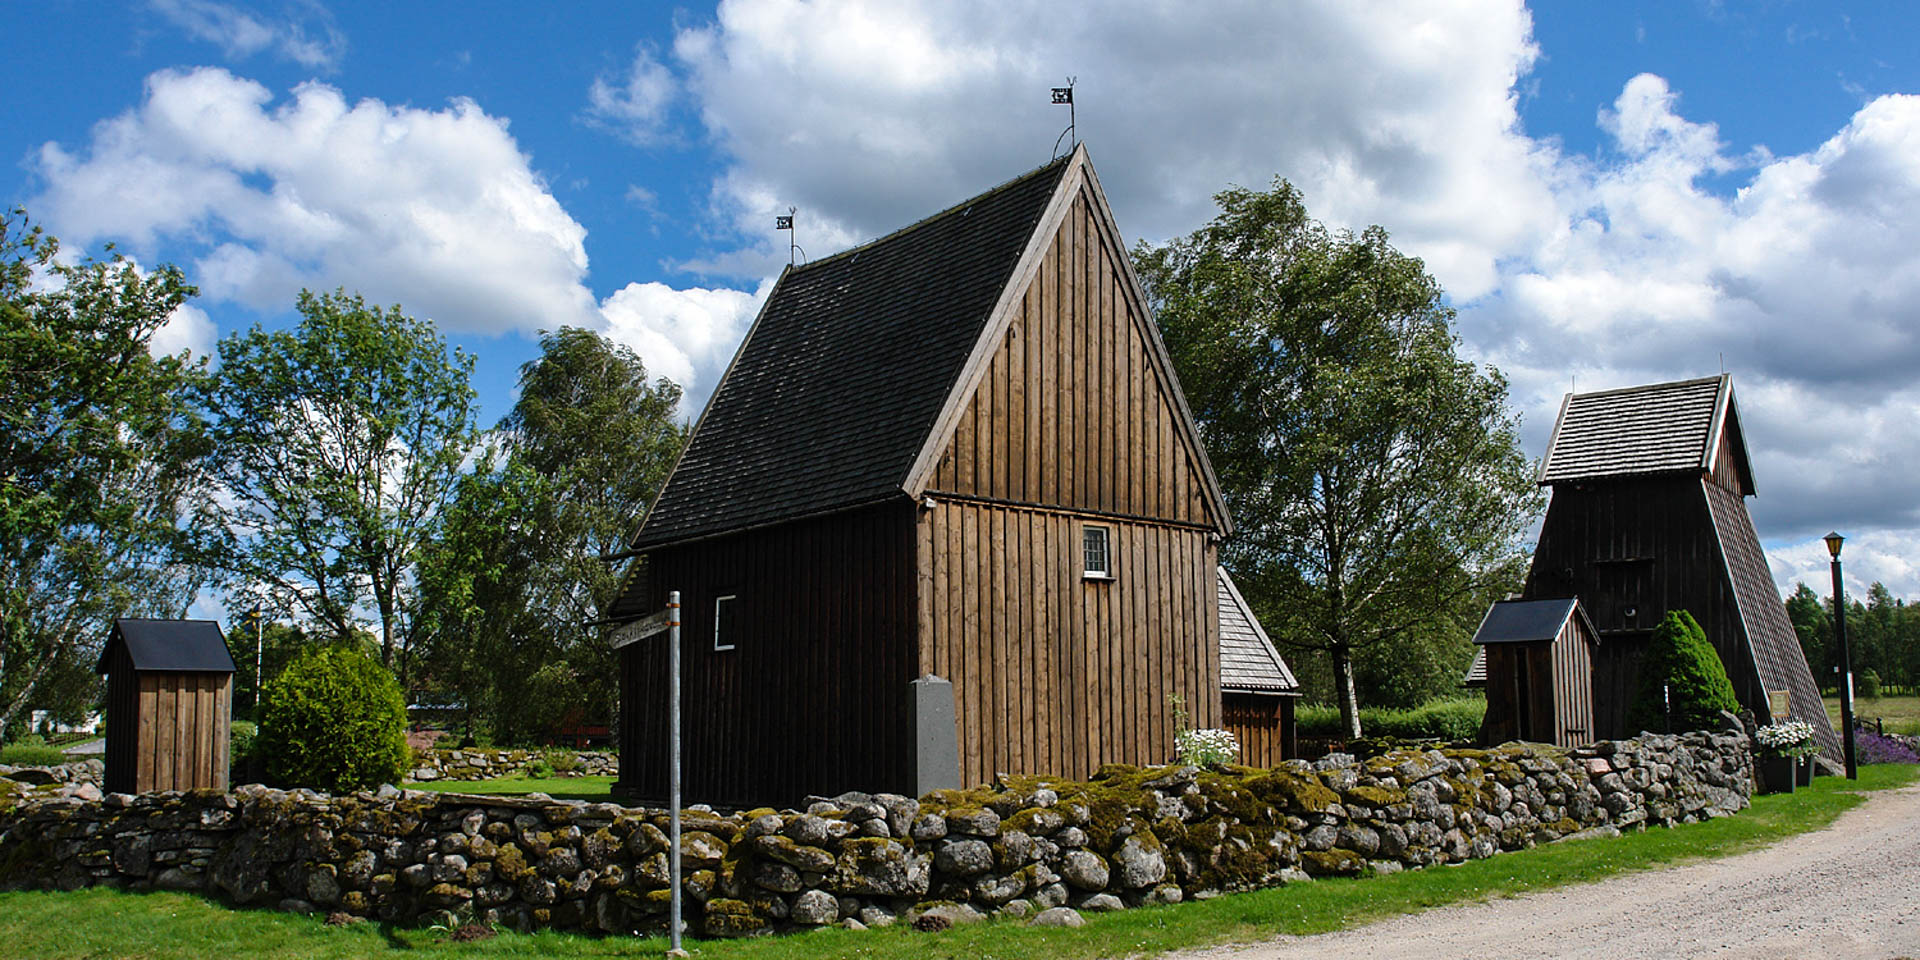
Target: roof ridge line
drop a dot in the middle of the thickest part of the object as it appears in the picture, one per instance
(923, 221)
(1648, 387)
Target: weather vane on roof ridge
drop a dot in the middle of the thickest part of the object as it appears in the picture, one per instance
(793, 243)
(1065, 95)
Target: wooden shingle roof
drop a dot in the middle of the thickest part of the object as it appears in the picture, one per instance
(1676, 427)
(832, 395)
(1771, 641)
(1248, 661)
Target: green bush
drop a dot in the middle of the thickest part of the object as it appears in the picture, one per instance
(31, 751)
(1870, 684)
(333, 720)
(1454, 719)
(561, 760)
(1680, 658)
(243, 739)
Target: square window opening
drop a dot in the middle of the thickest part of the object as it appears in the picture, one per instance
(726, 620)
(1096, 555)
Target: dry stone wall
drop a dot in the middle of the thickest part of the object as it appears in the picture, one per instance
(489, 764)
(1131, 836)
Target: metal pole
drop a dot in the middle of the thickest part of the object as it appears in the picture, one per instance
(259, 648)
(1846, 669)
(673, 776)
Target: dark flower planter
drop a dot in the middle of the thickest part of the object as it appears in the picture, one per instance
(1803, 771)
(1777, 774)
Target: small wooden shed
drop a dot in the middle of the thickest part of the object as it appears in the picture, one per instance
(169, 705)
(1538, 672)
(1257, 691)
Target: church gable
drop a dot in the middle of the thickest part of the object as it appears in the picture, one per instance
(1078, 407)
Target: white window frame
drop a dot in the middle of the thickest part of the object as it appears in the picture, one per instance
(1106, 546)
(717, 645)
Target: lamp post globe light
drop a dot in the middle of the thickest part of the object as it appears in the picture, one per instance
(1834, 540)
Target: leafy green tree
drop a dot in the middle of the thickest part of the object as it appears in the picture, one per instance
(334, 720)
(1375, 477)
(1814, 626)
(102, 461)
(338, 444)
(1683, 674)
(517, 577)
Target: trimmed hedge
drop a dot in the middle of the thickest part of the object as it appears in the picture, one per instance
(334, 720)
(1456, 719)
(1680, 658)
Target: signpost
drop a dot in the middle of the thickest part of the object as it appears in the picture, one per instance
(667, 620)
(641, 629)
(673, 782)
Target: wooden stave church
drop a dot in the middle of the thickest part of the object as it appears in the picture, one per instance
(865, 511)
(1648, 514)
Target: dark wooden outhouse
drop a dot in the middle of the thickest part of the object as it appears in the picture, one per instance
(959, 450)
(1257, 690)
(1649, 515)
(1538, 672)
(169, 705)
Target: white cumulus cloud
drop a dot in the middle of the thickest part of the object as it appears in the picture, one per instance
(305, 34)
(437, 210)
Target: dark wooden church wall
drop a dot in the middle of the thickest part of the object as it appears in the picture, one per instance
(1647, 545)
(814, 696)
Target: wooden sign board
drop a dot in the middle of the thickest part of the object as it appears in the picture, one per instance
(1777, 703)
(639, 630)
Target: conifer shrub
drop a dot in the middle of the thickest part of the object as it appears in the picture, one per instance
(1680, 658)
(334, 720)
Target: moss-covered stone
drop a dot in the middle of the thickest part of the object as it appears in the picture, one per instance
(1333, 863)
(1376, 797)
(733, 918)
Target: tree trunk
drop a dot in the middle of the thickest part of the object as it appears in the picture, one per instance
(1343, 689)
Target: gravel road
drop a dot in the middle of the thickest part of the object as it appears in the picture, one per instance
(1848, 892)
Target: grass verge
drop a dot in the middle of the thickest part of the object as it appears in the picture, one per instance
(109, 923)
(590, 789)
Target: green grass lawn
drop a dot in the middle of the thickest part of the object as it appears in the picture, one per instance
(1902, 714)
(108, 923)
(590, 789)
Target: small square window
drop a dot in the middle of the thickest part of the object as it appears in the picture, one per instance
(726, 618)
(1097, 558)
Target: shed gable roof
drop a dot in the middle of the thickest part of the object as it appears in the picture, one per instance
(1675, 427)
(1525, 621)
(1248, 661)
(169, 646)
(834, 391)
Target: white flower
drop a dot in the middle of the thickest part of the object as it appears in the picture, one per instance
(1791, 738)
(1201, 747)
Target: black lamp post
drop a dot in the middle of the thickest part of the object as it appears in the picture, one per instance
(1834, 540)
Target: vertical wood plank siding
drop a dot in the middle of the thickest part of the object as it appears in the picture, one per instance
(166, 731)
(1648, 545)
(814, 696)
(1054, 673)
(1263, 725)
(1572, 674)
(1071, 412)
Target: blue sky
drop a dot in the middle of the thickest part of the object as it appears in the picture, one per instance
(1611, 193)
